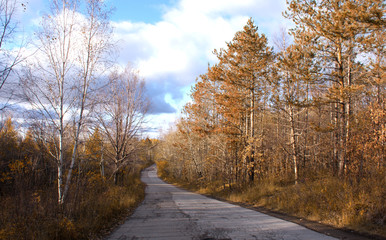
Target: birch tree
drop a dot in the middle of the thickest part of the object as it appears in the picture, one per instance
(58, 83)
(95, 44)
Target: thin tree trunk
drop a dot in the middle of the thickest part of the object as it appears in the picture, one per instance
(348, 111)
(252, 132)
(61, 135)
(102, 164)
(293, 141)
(305, 151)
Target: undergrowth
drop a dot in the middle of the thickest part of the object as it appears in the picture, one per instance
(94, 209)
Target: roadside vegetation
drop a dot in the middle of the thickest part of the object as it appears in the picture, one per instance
(95, 203)
(71, 125)
(297, 127)
(33, 214)
(343, 203)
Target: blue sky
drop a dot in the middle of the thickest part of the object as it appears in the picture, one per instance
(171, 42)
(149, 11)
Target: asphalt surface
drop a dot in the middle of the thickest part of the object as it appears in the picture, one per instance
(169, 212)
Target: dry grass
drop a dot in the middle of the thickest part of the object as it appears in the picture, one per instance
(353, 203)
(344, 203)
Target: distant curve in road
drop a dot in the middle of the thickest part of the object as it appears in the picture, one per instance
(170, 213)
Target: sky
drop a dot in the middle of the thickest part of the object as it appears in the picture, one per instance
(171, 42)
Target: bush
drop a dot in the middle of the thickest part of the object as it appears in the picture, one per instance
(35, 215)
(162, 167)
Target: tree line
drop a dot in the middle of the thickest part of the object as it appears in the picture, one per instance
(312, 105)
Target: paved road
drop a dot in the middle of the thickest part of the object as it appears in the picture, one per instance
(171, 213)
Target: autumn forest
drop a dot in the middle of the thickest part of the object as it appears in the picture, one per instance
(296, 126)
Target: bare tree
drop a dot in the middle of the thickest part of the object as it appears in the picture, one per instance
(8, 58)
(58, 84)
(122, 116)
(96, 42)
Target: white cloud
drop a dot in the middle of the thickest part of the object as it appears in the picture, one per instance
(158, 124)
(175, 44)
(190, 31)
(172, 53)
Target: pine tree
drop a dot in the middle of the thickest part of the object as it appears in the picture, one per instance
(245, 64)
(336, 30)
(295, 74)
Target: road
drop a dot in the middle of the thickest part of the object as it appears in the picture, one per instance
(172, 213)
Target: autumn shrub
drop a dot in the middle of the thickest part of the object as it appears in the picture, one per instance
(100, 211)
(162, 168)
(205, 187)
(34, 214)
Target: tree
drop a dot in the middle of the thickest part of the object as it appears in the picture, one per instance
(296, 73)
(337, 31)
(96, 42)
(220, 133)
(245, 65)
(375, 81)
(121, 117)
(8, 146)
(94, 151)
(8, 57)
(59, 83)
